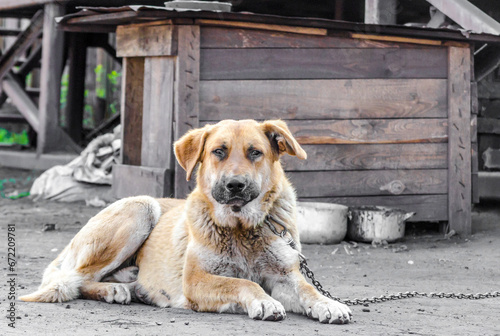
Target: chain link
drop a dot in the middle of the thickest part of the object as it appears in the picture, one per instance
(304, 268)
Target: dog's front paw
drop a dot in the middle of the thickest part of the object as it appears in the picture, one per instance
(117, 293)
(268, 310)
(330, 311)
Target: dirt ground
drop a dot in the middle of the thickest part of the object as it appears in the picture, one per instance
(430, 263)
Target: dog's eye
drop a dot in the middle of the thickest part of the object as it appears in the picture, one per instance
(219, 152)
(254, 154)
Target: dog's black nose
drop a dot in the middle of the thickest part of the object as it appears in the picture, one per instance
(236, 184)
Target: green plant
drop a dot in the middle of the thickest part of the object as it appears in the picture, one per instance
(11, 138)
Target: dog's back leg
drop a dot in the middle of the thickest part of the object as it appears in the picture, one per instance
(102, 245)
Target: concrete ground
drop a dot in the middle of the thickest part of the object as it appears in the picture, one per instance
(425, 262)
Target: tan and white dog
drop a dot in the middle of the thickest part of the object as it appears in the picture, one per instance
(210, 252)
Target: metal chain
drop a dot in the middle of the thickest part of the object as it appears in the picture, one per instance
(304, 268)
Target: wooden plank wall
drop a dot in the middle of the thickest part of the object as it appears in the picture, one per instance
(372, 116)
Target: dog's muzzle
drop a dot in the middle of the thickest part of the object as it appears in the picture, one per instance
(235, 191)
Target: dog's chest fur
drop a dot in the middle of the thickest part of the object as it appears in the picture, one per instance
(248, 254)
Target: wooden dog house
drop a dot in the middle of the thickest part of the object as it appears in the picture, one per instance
(384, 112)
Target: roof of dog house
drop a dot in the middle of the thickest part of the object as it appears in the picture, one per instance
(383, 111)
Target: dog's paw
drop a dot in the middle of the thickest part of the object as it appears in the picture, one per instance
(268, 310)
(117, 293)
(329, 311)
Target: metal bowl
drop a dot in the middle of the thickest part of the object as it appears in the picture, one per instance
(367, 224)
(321, 223)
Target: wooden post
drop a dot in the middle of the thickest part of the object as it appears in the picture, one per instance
(459, 141)
(186, 96)
(76, 86)
(50, 136)
(380, 11)
(147, 113)
(131, 110)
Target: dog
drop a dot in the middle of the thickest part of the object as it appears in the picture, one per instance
(217, 251)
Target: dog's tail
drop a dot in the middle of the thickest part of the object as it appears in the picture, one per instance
(57, 286)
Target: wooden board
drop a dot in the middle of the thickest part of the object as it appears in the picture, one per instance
(186, 96)
(323, 99)
(157, 120)
(372, 157)
(459, 151)
(261, 26)
(398, 39)
(131, 110)
(322, 63)
(139, 40)
(369, 182)
(136, 180)
(221, 38)
(370, 131)
(426, 207)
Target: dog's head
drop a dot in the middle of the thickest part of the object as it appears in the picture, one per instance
(239, 163)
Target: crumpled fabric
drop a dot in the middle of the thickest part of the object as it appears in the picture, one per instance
(87, 178)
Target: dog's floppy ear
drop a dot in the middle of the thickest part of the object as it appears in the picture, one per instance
(189, 148)
(282, 140)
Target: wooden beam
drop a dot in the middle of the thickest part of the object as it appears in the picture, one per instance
(459, 149)
(139, 41)
(49, 135)
(186, 96)
(381, 11)
(468, 16)
(22, 101)
(22, 43)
